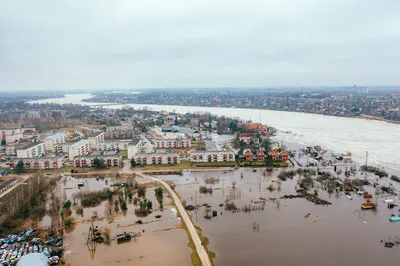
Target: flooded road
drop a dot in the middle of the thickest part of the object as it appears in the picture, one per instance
(338, 234)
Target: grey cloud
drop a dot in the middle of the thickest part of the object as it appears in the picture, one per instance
(136, 44)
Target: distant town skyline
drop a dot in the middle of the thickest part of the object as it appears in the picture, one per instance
(68, 45)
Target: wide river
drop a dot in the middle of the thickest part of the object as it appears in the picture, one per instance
(380, 139)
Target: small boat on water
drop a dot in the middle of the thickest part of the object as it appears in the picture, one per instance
(368, 205)
(394, 219)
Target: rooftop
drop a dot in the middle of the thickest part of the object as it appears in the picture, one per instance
(158, 153)
(215, 151)
(104, 156)
(79, 143)
(27, 144)
(135, 141)
(54, 136)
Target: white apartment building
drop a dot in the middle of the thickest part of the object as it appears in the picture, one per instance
(31, 150)
(157, 158)
(212, 156)
(88, 161)
(96, 139)
(79, 148)
(14, 137)
(134, 147)
(172, 143)
(39, 163)
(53, 143)
(11, 149)
(9, 132)
(113, 145)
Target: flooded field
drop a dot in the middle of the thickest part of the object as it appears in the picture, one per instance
(158, 240)
(288, 231)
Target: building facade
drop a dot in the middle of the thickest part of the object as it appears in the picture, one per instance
(31, 150)
(157, 158)
(94, 140)
(9, 132)
(134, 147)
(13, 138)
(54, 142)
(172, 143)
(39, 163)
(212, 156)
(79, 148)
(88, 161)
(121, 145)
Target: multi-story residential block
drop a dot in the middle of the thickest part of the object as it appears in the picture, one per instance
(39, 163)
(96, 139)
(88, 161)
(11, 150)
(14, 137)
(172, 143)
(53, 143)
(157, 158)
(121, 145)
(212, 156)
(79, 148)
(9, 132)
(134, 147)
(33, 149)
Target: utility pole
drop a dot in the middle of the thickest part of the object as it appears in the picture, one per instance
(366, 164)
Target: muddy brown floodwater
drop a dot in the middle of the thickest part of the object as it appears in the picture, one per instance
(160, 242)
(338, 234)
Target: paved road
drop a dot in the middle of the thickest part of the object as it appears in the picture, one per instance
(205, 260)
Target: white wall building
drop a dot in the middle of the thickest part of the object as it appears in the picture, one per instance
(31, 150)
(79, 148)
(94, 140)
(172, 143)
(88, 161)
(212, 156)
(14, 137)
(53, 143)
(134, 147)
(8, 132)
(11, 150)
(157, 158)
(121, 145)
(39, 163)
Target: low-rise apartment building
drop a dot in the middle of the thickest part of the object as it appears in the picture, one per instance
(88, 161)
(157, 158)
(96, 139)
(9, 132)
(134, 147)
(33, 149)
(121, 145)
(39, 163)
(79, 148)
(172, 143)
(212, 156)
(14, 137)
(53, 143)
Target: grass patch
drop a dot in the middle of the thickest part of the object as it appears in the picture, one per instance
(68, 168)
(124, 154)
(185, 164)
(215, 164)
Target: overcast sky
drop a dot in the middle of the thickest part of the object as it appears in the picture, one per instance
(89, 44)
